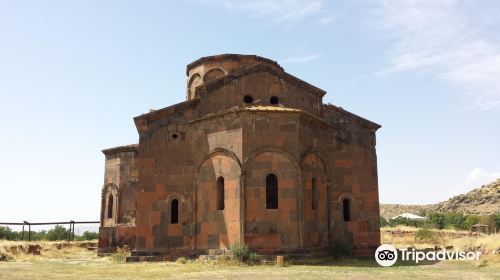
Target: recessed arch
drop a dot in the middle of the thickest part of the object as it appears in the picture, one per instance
(109, 204)
(316, 207)
(181, 197)
(346, 202)
(319, 156)
(220, 169)
(271, 169)
(107, 188)
(265, 149)
(194, 81)
(213, 74)
(214, 152)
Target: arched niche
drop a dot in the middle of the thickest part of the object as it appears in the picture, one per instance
(194, 81)
(213, 74)
(315, 202)
(271, 227)
(219, 228)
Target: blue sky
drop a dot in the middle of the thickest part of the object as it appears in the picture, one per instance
(73, 74)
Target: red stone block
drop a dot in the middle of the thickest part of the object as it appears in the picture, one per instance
(343, 163)
(263, 240)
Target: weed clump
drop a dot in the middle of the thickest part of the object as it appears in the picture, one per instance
(427, 235)
(342, 250)
(181, 260)
(121, 254)
(243, 254)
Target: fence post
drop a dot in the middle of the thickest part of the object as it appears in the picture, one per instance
(69, 232)
(73, 233)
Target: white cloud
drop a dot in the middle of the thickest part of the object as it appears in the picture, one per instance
(301, 59)
(474, 179)
(276, 10)
(478, 177)
(455, 40)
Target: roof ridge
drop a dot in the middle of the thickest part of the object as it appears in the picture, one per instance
(209, 86)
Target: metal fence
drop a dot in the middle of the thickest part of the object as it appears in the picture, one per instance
(71, 231)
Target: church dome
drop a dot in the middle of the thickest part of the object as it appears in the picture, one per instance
(209, 68)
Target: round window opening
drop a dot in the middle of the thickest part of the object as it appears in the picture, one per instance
(274, 100)
(248, 99)
(174, 136)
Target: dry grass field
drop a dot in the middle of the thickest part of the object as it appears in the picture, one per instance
(403, 236)
(76, 262)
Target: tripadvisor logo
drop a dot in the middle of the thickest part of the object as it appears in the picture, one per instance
(387, 255)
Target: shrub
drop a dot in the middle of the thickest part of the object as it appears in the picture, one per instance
(383, 222)
(87, 235)
(437, 219)
(181, 260)
(341, 249)
(454, 220)
(471, 220)
(120, 255)
(7, 233)
(57, 233)
(241, 252)
(253, 258)
(427, 235)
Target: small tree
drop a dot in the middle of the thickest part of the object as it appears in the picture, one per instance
(7, 233)
(383, 222)
(57, 233)
(437, 219)
(88, 235)
(471, 220)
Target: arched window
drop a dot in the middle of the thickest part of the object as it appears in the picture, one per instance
(314, 194)
(220, 193)
(174, 212)
(346, 207)
(110, 206)
(271, 192)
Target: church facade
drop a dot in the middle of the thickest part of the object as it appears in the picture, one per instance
(253, 155)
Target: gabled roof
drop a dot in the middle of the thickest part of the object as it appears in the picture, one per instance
(341, 110)
(156, 114)
(276, 109)
(217, 83)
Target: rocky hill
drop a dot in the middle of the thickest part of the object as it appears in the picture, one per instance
(481, 201)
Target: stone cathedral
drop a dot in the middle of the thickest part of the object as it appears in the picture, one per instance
(253, 155)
